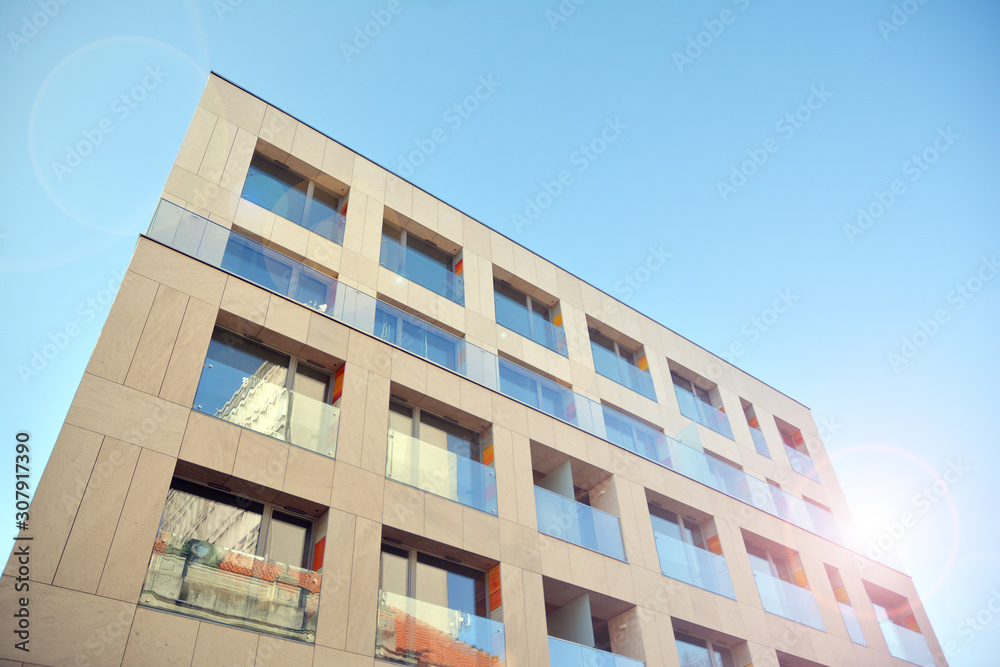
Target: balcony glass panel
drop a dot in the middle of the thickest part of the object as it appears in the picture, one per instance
(698, 567)
(411, 632)
(705, 414)
(515, 316)
(853, 626)
(441, 472)
(201, 579)
(788, 600)
(534, 390)
(759, 443)
(422, 269)
(568, 520)
(204, 240)
(567, 654)
(611, 366)
(906, 644)
(802, 463)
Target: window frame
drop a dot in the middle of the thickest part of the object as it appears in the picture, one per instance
(414, 556)
(711, 646)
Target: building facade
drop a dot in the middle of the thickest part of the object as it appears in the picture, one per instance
(332, 420)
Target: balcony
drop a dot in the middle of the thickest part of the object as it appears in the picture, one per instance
(567, 654)
(514, 315)
(206, 581)
(417, 267)
(219, 247)
(698, 567)
(435, 470)
(906, 644)
(613, 367)
(802, 463)
(759, 443)
(853, 626)
(411, 632)
(705, 414)
(788, 600)
(566, 519)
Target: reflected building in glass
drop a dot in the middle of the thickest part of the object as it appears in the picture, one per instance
(332, 420)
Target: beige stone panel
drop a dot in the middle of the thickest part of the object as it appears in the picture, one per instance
(196, 140)
(658, 638)
(483, 268)
(180, 380)
(502, 251)
(261, 459)
(443, 386)
(510, 414)
(338, 563)
(424, 210)
(358, 491)
(323, 254)
(247, 303)
(278, 129)
(178, 271)
(275, 652)
(362, 269)
(308, 475)
(286, 325)
(481, 533)
(213, 165)
(755, 626)
(369, 178)
(636, 508)
(450, 223)
(94, 528)
(476, 400)
(572, 441)
(327, 337)
(289, 238)
(626, 464)
(503, 462)
(331, 657)
(203, 196)
(374, 442)
(125, 568)
(149, 364)
(123, 328)
(554, 555)
(409, 371)
(68, 627)
(443, 520)
(210, 442)
(516, 621)
(308, 151)
(158, 638)
(58, 496)
(541, 428)
(364, 587)
(472, 289)
(392, 285)
(484, 329)
(476, 238)
(226, 100)
(675, 596)
(570, 290)
(220, 645)
(128, 415)
(546, 276)
(399, 195)
(524, 264)
(519, 546)
(254, 220)
(537, 639)
(650, 589)
(599, 452)
(524, 481)
(338, 162)
(619, 576)
(350, 438)
(403, 507)
(587, 569)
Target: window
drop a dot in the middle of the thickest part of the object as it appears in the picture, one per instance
(234, 560)
(532, 389)
(694, 652)
(701, 405)
(795, 448)
(280, 190)
(781, 583)
(685, 553)
(269, 392)
(414, 335)
(422, 262)
(528, 316)
(759, 443)
(620, 363)
(899, 626)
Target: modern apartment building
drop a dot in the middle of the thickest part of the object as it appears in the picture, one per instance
(332, 420)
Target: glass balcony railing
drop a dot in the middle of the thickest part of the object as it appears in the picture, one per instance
(759, 443)
(585, 526)
(317, 213)
(853, 626)
(802, 463)
(201, 579)
(436, 470)
(698, 567)
(563, 653)
(613, 367)
(906, 644)
(217, 246)
(421, 269)
(788, 600)
(514, 315)
(707, 415)
(411, 632)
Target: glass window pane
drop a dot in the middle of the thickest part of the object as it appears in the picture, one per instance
(450, 436)
(200, 513)
(275, 188)
(693, 652)
(311, 382)
(231, 363)
(400, 418)
(288, 539)
(324, 217)
(395, 567)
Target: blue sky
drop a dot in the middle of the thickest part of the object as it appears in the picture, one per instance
(835, 157)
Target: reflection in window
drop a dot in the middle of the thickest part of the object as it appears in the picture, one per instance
(694, 652)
